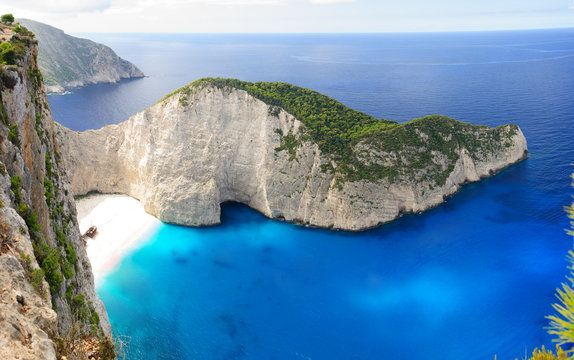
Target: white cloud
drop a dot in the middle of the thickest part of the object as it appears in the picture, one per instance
(118, 6)
(124, 5)
(132, 6)
(183, 3)
(241, 2)
(330, 1)
(59, 6)
(135, 6)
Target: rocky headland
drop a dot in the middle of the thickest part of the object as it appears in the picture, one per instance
(288, 152)
(69, 62)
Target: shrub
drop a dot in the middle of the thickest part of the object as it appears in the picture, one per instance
(15, 183)
(78, 301)
(51, 267)
(48, 161)
(23, 210)
(7, 18)
(31, 219)
(94, 318)
(36, 277)
(48, 191)
(7, 54)
(26, 262)
(71, 253)
(13, 135)
(107, 349)
(67, 269)
(70, 293)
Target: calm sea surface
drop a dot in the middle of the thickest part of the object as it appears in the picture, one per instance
(473, 278)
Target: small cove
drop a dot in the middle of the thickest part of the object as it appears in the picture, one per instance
(257, 288)
(470, 279)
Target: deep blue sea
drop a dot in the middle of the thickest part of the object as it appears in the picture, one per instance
(470, 279)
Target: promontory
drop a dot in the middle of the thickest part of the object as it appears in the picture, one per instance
(288, 152)
(69, 62)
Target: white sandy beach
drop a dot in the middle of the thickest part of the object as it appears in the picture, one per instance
(122, 225)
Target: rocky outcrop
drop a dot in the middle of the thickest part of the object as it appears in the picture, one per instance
(206, 145)
(27, 321)
(69, 62)
(46, 283)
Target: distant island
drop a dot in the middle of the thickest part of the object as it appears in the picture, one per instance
(288, 152)
(69, 62)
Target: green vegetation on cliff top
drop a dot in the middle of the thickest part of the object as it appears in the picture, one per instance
(18, 43)
(349, 137)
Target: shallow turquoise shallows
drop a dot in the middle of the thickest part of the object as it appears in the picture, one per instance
(468, 280)
(431, 286)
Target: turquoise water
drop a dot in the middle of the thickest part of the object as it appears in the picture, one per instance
(461, 282)
(468, 280)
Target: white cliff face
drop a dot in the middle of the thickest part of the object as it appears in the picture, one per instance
(182, 159)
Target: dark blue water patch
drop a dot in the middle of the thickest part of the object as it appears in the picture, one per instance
(396, 76)
(472, 278)
(95, 106)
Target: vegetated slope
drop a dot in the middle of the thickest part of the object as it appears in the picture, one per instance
(289, 152)
(47, 290)
(68, 62)
(338, 130)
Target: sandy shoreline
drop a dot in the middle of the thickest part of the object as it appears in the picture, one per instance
(122, 225)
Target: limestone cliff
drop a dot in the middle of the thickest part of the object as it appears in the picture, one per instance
(209, 143)
(46, 283)
(69, 62)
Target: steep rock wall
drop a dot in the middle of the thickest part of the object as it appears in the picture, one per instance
(182, 158)
(38, 225)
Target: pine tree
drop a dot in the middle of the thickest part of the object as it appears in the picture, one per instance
(7, 18)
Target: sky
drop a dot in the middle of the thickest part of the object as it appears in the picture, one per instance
(293, 16)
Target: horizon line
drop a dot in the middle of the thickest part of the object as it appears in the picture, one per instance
(324, 33)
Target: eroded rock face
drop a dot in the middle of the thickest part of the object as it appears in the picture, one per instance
(26, 318)
(182, 158)
(69, 62)
(38, 221)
